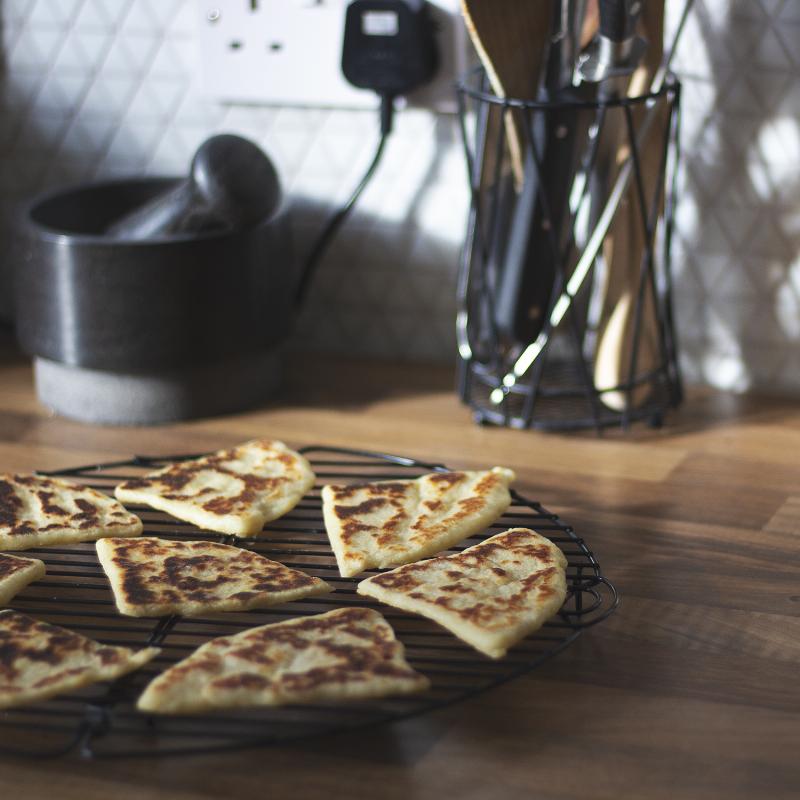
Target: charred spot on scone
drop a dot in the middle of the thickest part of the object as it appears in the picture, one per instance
(241, 680)
(374, 503)
(352, 527)
(386, 488)
(48, 506)
(10, 565)
(401, 579)
(447, 478)
(136, 483)
(487, 482)
(10, 503)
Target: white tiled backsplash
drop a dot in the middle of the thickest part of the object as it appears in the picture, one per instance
(97, 88)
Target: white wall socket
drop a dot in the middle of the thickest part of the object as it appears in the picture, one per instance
(288, 52)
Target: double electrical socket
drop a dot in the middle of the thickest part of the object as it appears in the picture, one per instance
(288, 52)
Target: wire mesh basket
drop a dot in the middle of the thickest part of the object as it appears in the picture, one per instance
(102, 720)
(565, 288)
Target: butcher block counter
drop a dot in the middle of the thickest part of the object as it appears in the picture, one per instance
(690, 690)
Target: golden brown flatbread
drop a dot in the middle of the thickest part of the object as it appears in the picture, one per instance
(388, 523)
(346, 654)
(490, 595)
(16, 573)
(36, 511)
(39, 660)
(154, 577)
(232, 491)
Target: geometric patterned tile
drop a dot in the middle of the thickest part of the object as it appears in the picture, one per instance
(109, 87)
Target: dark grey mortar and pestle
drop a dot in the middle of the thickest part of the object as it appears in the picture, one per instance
(154, 299)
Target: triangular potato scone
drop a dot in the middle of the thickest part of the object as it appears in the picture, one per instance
(36, 511)
(232, 491)
(154, 577)
(490, 595)
(346, 654)
(16, 573)
(40, 660)
(388, 523)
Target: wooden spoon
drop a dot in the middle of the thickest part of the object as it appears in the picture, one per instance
(624, 246)
(511, 38)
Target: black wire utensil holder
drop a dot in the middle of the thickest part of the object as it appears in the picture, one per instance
(550, 380)
(101, 721)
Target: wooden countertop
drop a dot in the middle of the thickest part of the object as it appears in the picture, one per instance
(690, 690)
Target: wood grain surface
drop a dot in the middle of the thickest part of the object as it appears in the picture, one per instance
(689, 691)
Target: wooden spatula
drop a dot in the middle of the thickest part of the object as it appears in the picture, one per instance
(625, 244)
(510, 37)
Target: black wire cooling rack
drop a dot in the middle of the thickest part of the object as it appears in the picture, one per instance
(102, 721)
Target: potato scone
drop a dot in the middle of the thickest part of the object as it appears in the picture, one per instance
(39, 660)
(490, 595)
(154, 577)
(232, 491)
(388, 523)
(36, 511)
(16, 573)
(346, 654)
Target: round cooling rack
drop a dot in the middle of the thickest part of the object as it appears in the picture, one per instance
(102, 721)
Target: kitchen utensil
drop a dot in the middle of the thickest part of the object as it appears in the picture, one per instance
(132, 331)
(522, 363)
(540, 233)
(620, 354)
(232, 185)
(510, 37)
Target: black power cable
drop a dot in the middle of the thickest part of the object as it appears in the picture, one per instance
(390, 48)
(335, 222)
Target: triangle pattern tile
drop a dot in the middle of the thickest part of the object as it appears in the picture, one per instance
(738, 36)
(15, 12)
(759, 325)
(130, 55)
(772, 87)
(714, 237)
(168, 62)
(134, 146)
(387, 285)
(733, 280)
(740, 96)
(182, 23)
(771, 53)
(85, 138)
(768, 238)
(765, 364)
(793, 274)
(150, 17)
(115, 11)
(35, 49)
(83, 52)
(749, 12)
(787, 314)
(53, 15)
(771, 7)
(99, 16)
(789, 12)
(788, 377)
(738, 227)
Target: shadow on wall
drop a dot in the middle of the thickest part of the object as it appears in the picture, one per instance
(741, 308)
(382, 287)
(79, 105)
(30, 133)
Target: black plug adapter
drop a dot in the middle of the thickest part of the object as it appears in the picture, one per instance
(389, 45)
